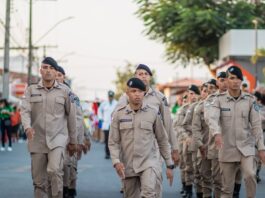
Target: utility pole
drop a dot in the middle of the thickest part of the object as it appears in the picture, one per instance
(6, 52)
(30, 43)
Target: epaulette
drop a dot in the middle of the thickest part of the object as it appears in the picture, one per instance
(152, 107)
(121, 107)
(161, 97)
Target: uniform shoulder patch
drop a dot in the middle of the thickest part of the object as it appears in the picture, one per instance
(256, 106)
(121, 107)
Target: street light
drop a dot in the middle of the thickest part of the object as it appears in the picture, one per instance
(255, 22)
(53, 27)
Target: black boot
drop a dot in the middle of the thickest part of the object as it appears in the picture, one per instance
(257, 176)
(182, 191)
(71, 193)
(236, 190)
(188, 193)
(199, 195)
(65, 192)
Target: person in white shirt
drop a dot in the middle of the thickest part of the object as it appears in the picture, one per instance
(104, 114)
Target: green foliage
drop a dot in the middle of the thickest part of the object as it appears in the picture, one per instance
(123, 74)
(190, 29)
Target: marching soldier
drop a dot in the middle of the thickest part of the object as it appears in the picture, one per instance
(49, 120)
(70, 162)
(135, 130)
(234, 122)
(189, 148)
(180, 138)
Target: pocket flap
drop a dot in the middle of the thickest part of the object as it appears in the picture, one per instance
(59, 100)
(126, 125)
(146, 125)
(36, 99)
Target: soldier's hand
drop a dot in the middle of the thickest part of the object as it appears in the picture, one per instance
(203, 152)
(262, 156)
(79, 151)
(218, 141)
(175, 157)
(30, 133)
(72, 148)
(170, 176)
(120, 170)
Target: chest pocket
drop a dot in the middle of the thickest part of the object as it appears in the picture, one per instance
(226, 118)
(148, 126)
(59, 105)
(36, 99)
(245, 119)
(126, 129)
(36, 103)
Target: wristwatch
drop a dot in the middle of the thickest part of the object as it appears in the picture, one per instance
(171, 166)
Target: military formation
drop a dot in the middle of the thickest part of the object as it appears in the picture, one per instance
(215, 138)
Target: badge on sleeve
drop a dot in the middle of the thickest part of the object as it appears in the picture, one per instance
(256, 106)
(72, 97)
(164, 99)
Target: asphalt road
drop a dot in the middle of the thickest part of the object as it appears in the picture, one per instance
(96, 176)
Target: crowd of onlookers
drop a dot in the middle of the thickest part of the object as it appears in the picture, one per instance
(10, 122)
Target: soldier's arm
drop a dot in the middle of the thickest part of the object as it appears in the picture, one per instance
(168, 124)
(114, 140)
(255, 122)
(80, 127)
(197, 126)
(213, 116)
(26, 110)
(186, 124)
(70, 108)
(162, 140)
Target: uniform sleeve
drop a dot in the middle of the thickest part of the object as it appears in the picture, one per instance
(26, 110)
(100, 111)
(162, 140)
(168, 123)
(213, 116)
(115, 140)
(186, 124)
(71, 119)
(80, 126)
(197, 127)
(255, 122)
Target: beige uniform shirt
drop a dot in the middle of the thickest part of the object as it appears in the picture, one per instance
(133, 137)
(159, 101)
(52, 114)
(177, 125)
(238, 121)
(200, 129)
(187, 124)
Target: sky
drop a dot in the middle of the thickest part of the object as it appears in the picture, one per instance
(99, 37)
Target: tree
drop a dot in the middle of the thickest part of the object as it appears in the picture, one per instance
(190, 29)
(123, 74)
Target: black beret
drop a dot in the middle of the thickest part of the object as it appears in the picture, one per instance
(111, 93)
(258, 95)
(136, 83)
(221, 75)
(144, 67)
(212, 82)
(50, 61)
(194, 88)
(60, 69)
(235, 71)
(244, 85)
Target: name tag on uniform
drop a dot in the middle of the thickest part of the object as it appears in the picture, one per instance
(225, 109)
(125, 120)
(34, 95)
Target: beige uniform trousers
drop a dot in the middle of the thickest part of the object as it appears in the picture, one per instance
(206, 173)
(196, 171)
(70, 171)
(47, 173)
(228, 174)
(216, 177)
(182, 167)
(143, 186)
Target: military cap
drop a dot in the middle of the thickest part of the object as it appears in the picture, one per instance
(194, 88)
(144, 67)
(136, 83)
(50, 61)
(61, 70)
(221, 75)
(212, 82)
(235, 71)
